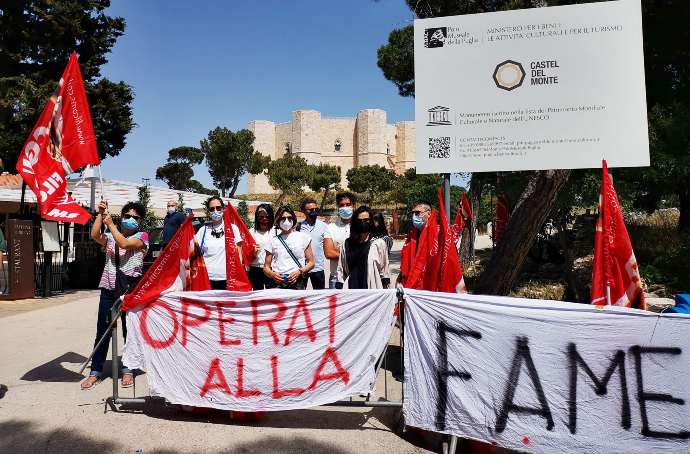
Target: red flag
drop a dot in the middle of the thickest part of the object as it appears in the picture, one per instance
(236, 276)
(178, 267)
(501, 219)
(463, 215)
(450, 277)
(62, 140)
(423, 258)
(78, 139)
(614, 268)
(248, 242)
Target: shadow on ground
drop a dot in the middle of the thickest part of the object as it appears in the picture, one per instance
(19, 437)
(3, 391)
(54, 371)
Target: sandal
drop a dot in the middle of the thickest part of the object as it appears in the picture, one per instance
(127, 380)
(90, 382)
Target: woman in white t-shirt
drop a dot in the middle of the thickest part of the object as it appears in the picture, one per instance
(288, 255)
(211, 241)
(262, 233)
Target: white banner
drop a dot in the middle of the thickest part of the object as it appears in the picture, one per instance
(260, 351)
(543, 88)
(547, 376)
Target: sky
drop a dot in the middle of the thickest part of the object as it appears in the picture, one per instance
(197, 65)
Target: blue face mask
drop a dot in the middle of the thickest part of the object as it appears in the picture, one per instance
(345, 212)
(418, 222)
(130, 224)
(216, 215)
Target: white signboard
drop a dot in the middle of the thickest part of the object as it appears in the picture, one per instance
(50, 236)
(547, 376)
(260, 351)
(544, 88)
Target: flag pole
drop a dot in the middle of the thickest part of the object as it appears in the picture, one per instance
(608, 294)
(100, 341)
(100, 178)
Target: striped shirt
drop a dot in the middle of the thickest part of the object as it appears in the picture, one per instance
(131, 261)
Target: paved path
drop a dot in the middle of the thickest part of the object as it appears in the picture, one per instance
(42, 408)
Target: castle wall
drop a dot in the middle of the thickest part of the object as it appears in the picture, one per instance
(406, 157)
(264, 143)
(364, 140)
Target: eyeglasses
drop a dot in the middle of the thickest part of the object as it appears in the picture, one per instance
(216, 208)
(134, 216)
(418, 212)
(313, 210)
(260, 217)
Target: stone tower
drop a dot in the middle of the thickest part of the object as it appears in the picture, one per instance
(371, 138)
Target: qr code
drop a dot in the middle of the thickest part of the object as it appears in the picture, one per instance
(439, 147)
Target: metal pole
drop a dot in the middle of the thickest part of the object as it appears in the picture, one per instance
(21, 202)
(92, 202)
(446, 192)
(115, 314)
(100, 341)
(453, 444)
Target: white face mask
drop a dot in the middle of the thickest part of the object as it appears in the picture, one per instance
(286, 224)
(171, 210)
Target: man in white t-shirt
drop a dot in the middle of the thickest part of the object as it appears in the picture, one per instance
(337, 233)
(211, 241)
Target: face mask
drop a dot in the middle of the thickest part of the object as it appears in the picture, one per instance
(130, 224)
(286, 224)
(345, 212)
(216, 215)
(313, 214)
(361, 226)
(171, 210)
(417, 221)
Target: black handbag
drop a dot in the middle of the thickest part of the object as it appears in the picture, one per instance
(123, 283)
(301, 283)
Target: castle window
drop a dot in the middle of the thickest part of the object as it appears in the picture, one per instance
(287, 147)
(388, 149)
(338, 145)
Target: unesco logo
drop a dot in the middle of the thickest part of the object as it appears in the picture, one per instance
(435, 37)
(509, 75)
(439, 116)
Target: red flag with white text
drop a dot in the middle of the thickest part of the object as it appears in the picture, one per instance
(177, 268)
(450, 277)
(61, 141)
(614, 268)
(236, 276)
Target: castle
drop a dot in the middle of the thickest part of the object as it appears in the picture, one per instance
(367, 139)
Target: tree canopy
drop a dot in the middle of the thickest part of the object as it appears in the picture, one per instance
(370, 180)
(228, 155)
(36, 40)
(178, 172)
(289, 175)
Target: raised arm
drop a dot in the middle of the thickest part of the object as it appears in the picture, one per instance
(131, 243)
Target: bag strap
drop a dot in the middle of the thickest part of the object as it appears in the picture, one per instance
(117, 255)
(299, 265)
(203, 238)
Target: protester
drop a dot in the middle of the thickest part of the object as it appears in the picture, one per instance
(317, 230)
(211, 241)
(289, 257)
(124, 251)
(363, 261)
(262, 232)
(337, 233)
(172, 221)
(379, 230)
(420, 216)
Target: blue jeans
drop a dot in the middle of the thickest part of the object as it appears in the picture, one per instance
(105, 305)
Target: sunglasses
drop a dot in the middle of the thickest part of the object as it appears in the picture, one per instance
(216, 208)
(134, 216)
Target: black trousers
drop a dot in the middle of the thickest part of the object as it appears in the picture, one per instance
(318, 279)
(218, 285)
(258, 279)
